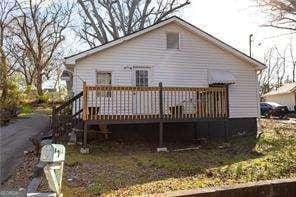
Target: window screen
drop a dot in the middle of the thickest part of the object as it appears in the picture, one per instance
(103, 78)
(141, 77)
(173, 41)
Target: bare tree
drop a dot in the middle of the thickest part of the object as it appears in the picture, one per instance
(23, 64)
(266, 77)
(278, 67)
(38, 34)
(6, 67)
(293, 63)
(281, 67)
(105, 20)
(282, 13)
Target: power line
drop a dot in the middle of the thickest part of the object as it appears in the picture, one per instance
(261, 41)
(277, 36)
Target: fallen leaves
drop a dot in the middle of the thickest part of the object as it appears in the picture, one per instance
(23, 173)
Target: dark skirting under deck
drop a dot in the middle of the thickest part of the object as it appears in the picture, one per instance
(186, 131)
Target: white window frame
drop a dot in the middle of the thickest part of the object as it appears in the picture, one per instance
(103, 71)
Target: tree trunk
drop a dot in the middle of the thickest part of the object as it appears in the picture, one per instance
(39, 84)
(4, 89)
(294, 71)
(3, 76)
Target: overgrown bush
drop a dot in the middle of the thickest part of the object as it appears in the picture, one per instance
(9, 104)
(29, 95)
(12, 97)
(42, 99)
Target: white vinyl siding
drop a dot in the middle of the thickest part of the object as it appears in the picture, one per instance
(187, 67)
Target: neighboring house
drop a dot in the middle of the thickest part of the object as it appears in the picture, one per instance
(284, 95)
(203, 79)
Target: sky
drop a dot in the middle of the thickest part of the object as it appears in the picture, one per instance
(233, 21)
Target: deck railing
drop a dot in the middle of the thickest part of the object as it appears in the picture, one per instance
(129, 103)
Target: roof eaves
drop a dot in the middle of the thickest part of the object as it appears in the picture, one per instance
(72, 59)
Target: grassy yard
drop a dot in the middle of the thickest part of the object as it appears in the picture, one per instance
(118, 168)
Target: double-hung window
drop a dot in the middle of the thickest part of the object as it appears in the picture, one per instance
(142, 78)
(104, 78)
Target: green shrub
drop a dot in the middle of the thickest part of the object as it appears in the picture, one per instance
(42, 99)
(29, 95)
(26, 109)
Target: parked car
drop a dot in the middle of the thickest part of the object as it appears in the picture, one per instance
(273, 109)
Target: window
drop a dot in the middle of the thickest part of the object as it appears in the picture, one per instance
(104, 78)
(141, 77)
(173, 40)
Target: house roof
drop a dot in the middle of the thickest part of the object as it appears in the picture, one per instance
(71, 60)
(284, 89)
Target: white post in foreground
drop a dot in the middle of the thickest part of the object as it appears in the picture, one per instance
(54, 156)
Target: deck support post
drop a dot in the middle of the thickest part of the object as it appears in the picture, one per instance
(84, 149)
(84, 135)
(161, 148)
(226, 130)
(196, 136)
(226, 122)
(160, 144)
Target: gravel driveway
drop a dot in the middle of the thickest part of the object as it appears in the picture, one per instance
(14, 140)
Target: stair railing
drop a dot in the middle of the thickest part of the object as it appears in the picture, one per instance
(67, 115)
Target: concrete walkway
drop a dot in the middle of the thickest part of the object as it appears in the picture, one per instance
(14, 140)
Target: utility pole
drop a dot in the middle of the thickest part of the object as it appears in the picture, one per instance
(250, 44)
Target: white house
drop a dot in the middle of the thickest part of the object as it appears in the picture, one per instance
(179, 55)
(284, 95)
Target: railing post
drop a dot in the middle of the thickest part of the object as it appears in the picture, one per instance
(161, 148)
(160, 101)
(84, 117)
(84, 148)
(227, 101)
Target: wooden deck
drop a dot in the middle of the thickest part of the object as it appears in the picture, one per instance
(105, 105)
(130, 104)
